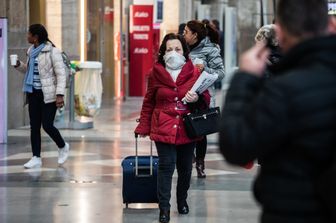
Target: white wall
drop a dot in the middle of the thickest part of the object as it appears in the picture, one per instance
(54, 21)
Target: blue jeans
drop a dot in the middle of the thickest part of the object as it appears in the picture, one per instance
(169, 156)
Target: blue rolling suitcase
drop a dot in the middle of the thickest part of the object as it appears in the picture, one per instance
(140, 177)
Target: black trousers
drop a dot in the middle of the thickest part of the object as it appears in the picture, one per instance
(170, 156)
(42, 114)
(201, 148)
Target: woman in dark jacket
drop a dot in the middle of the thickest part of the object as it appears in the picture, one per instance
(203, 41)
(161, 118)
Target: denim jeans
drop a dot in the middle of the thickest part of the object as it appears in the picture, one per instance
(171, 155)
(42, 114)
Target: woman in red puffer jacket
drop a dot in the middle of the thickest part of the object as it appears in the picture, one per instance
(161, 118)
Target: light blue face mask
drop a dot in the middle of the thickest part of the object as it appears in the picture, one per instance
(174, 60)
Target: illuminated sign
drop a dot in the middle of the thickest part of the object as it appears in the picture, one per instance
(141, 36)
(140, 51)
(332, 8)
(141, 47)
(141, 28)
(141, 15)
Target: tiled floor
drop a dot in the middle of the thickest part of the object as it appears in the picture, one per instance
(88, 187)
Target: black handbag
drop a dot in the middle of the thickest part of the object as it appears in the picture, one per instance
(202, 122)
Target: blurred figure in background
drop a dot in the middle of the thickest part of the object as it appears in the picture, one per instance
(206, 21)
(288, 122)
(181, 28)
(203, 40)
(267, 36)
(215, 23)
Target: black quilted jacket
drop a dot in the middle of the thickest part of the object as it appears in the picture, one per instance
(289, 123)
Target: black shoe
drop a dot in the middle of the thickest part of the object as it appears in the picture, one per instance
(200, 168)
(183, 208)
(164, 216)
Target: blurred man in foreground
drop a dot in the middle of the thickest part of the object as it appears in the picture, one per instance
(289, 121)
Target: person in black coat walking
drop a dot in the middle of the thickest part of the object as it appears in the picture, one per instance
(288, 121)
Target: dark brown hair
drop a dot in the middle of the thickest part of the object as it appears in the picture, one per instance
(203, 30)
(303, 17)
(215, 22)
(163, 47)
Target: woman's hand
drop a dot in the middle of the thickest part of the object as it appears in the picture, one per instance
(200, 67)
(17, 64)
(191, 97)
(59, 101)
(142, 136)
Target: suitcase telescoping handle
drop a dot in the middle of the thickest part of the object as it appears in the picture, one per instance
(136, 157)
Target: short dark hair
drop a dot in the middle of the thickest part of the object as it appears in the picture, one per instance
(163, 47)
(216, 23)
(303, 17)
(203, 30)
(206, 21)
(181, 28)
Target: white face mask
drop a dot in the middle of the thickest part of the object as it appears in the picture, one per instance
(174, 60)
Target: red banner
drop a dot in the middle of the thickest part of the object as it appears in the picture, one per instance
(141, 47)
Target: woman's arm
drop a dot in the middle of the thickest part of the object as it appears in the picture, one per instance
(214, 63)
(148, 105)
(58, 67)
(21, 66)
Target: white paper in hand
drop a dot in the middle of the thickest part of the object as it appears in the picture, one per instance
(197, 61)
(204, 81)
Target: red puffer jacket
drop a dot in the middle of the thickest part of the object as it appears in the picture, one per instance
(162, 109)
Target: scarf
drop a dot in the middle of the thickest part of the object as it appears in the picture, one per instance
(28, 80)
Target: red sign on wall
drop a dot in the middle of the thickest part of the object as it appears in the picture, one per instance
(141, 47)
